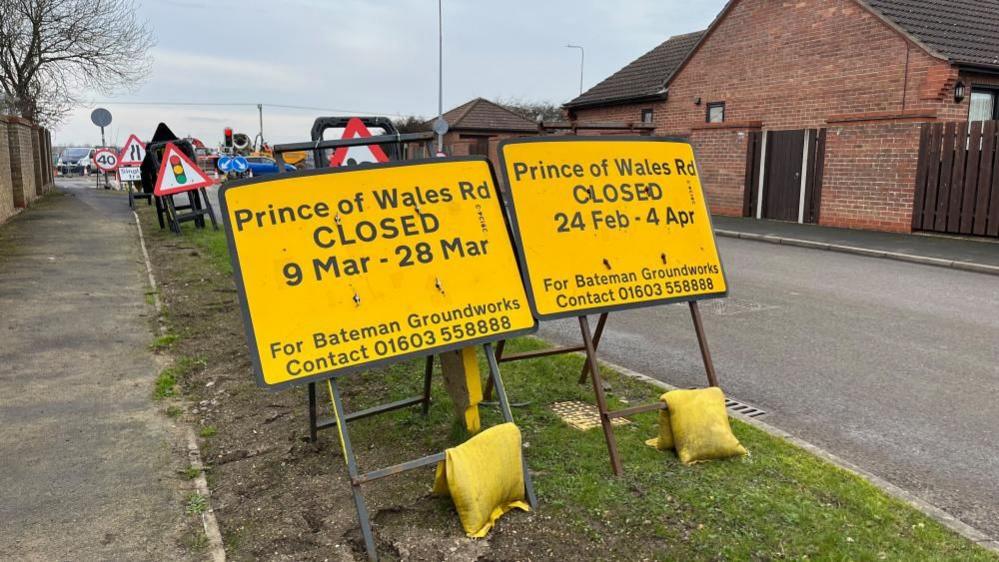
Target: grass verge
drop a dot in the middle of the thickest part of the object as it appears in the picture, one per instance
(779, 502)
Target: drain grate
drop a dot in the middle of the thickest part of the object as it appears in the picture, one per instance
(744, 409)
(740, 407)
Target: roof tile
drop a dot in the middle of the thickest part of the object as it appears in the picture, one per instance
(964, 31)
(645, 76)
(482, 114)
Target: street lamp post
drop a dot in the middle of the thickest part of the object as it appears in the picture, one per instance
(440, 73)
(582, 58)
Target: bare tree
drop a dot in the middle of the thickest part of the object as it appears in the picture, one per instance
(51, 50)
(533, 110)
(411, 124)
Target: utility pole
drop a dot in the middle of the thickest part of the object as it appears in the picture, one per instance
(582, 58)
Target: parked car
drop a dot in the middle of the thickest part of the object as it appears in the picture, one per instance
(261, 165)
(76, 161)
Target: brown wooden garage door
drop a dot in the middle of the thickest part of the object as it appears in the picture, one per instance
(775, 162)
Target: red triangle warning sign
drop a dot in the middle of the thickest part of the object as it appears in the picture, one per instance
(133, 153)
(178, 173)
(350, 155)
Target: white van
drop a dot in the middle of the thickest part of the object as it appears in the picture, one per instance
(76, 161)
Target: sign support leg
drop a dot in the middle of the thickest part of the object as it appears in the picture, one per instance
(160, 211)
(598, 390)
(172, 215)
(494, 376)
(597, 334)
(427, 376)
(313, 418)
(208, 206)
(487, 394)
(348, 455)
(702, 342)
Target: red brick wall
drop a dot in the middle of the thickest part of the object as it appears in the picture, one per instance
(721, 160)
(793, 65)
(870, 174)
(455, 145)
(7, 206)
(628, 113)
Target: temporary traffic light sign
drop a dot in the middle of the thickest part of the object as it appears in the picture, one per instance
(105, 159)
(178, 173)
(133, 153)
(350, 155)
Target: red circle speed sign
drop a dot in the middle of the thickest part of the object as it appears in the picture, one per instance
(106, 160)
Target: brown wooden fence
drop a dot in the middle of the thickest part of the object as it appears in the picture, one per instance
(957, 179)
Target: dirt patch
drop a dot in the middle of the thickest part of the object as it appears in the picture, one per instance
(276, 495)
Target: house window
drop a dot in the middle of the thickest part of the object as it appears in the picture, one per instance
(646, 116)
(984, 104)
(716, 112)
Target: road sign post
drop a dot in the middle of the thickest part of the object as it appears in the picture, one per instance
(129, 168)
(102, 118)
(605, 225)
(344, 269)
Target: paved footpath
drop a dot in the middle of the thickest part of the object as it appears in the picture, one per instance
(87, 469)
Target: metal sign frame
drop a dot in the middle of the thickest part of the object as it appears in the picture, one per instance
(357, 478)
(591, 340)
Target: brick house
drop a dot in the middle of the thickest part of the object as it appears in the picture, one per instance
(813, 110)
(477, 127)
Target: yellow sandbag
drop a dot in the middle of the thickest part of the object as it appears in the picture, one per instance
(484, 477)
(700, 425)
(664, 441)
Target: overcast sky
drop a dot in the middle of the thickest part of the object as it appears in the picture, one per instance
(370, 56)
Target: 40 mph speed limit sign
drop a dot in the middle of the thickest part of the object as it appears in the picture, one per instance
(340, 269)
(105, 159)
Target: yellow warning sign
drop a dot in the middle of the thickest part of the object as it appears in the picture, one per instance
(605, 224)
(353, 267)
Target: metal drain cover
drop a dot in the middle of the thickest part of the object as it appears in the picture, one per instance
(744, 409)
(739, 407)
(581, 415)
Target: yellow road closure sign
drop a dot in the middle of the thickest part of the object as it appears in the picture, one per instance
(606, 224)
(347, 268)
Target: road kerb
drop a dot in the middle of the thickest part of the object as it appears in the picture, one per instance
(856, 250)
(928, 509)
(209, 522)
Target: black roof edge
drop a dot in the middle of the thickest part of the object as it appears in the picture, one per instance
(977, 67)
(617, 101)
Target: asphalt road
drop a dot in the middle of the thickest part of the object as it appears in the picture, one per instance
(88, 469)
(892, 366)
